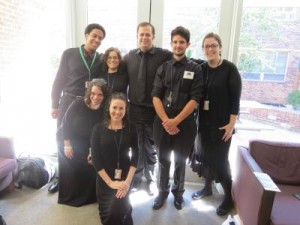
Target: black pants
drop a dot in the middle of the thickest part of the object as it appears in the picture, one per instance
(181, 144)
(143, 118)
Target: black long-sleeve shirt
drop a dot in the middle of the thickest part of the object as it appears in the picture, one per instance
(155, 57)
(223, 90)
(72, 74)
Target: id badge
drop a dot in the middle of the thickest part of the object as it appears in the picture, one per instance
(87, 84)
(206, 105)
(118, 174)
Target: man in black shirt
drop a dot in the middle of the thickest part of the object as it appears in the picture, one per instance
(142, 64)
(78, 66)
(177, 90)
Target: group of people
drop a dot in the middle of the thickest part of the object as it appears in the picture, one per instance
(116, 116)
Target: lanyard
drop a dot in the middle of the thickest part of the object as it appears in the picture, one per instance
(118, 147)
(208, 82)
(85, 63)
(113, 80)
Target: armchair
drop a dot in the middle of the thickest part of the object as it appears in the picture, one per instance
(8, 164)
(267, 201)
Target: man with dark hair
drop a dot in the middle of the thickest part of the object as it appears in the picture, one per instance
(142, 64)
(78, 66)
(176, 93)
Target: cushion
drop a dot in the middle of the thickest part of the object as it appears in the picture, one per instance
(280, 160)
(7, 166)
(286, 207)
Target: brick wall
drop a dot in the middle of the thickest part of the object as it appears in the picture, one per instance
(16, 16)
(280, 117)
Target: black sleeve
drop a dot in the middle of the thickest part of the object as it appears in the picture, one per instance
(158, 87)
(60, 80)
(235, 89)
(96, 148)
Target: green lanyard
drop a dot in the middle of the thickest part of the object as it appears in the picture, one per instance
(85, 63)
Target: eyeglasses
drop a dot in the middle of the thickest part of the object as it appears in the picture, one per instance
(213, 46)
(112, 58)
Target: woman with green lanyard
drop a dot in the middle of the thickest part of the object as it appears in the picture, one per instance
(78, 66)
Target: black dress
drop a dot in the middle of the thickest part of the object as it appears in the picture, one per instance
(105, 153)
(223, 86)
(116, 82)
(77, 179)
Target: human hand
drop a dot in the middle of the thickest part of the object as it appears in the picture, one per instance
(54, 113)
(228, 132)
(89, 159)
(170, 125)
(121, 193)
(68, 152)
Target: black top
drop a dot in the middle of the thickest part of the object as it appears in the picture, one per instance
(155, 57)
(183, 78)
(116, 82)
(223, 87)
(108, 145)
(78, 124)
(72, 74)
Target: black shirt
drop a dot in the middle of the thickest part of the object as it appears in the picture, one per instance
(182, 79)
(155, 57)
(72, 74)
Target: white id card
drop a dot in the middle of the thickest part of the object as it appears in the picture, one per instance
(118, 174)
(188, 75)
(206, 105)
(87, 84)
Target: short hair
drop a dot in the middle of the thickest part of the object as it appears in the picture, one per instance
(182, 31)
(120, 96)
(93, 26)
(145, 24)
(105, 56)
(212, 35)
(99, 82)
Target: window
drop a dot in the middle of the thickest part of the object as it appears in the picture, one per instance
(33, 48)
(199, 18)
(119, 18)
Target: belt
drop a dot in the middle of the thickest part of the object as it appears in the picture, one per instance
(73, 96)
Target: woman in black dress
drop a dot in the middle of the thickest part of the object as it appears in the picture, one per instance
(114, 71)
(77, 184)
(115, 155)
(218, 113)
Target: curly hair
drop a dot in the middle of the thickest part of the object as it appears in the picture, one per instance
(101, 83)
(105, 56)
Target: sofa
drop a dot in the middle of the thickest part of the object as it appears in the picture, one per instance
(8, 164)
(267, 177)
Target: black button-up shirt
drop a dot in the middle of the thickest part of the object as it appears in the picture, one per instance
(183, 79)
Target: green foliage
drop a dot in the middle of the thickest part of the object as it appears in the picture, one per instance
(294, 99)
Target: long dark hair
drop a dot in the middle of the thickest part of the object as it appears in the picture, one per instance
(120, 96)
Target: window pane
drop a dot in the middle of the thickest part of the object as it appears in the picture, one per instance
(119, 18)
(199, 18)
(269, 45)
(33, 40)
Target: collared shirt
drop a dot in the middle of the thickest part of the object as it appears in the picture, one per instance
(178, 82)
(72, 75)
(155, 57)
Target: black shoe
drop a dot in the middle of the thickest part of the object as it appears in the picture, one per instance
(158, 202)
(224, 208)
(150, 188)
(53, 187)
(179, 203)
(201, 194)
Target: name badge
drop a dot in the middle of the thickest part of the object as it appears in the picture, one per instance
(206, 105)
(118, 174)
(87, 84)
(188, 75)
